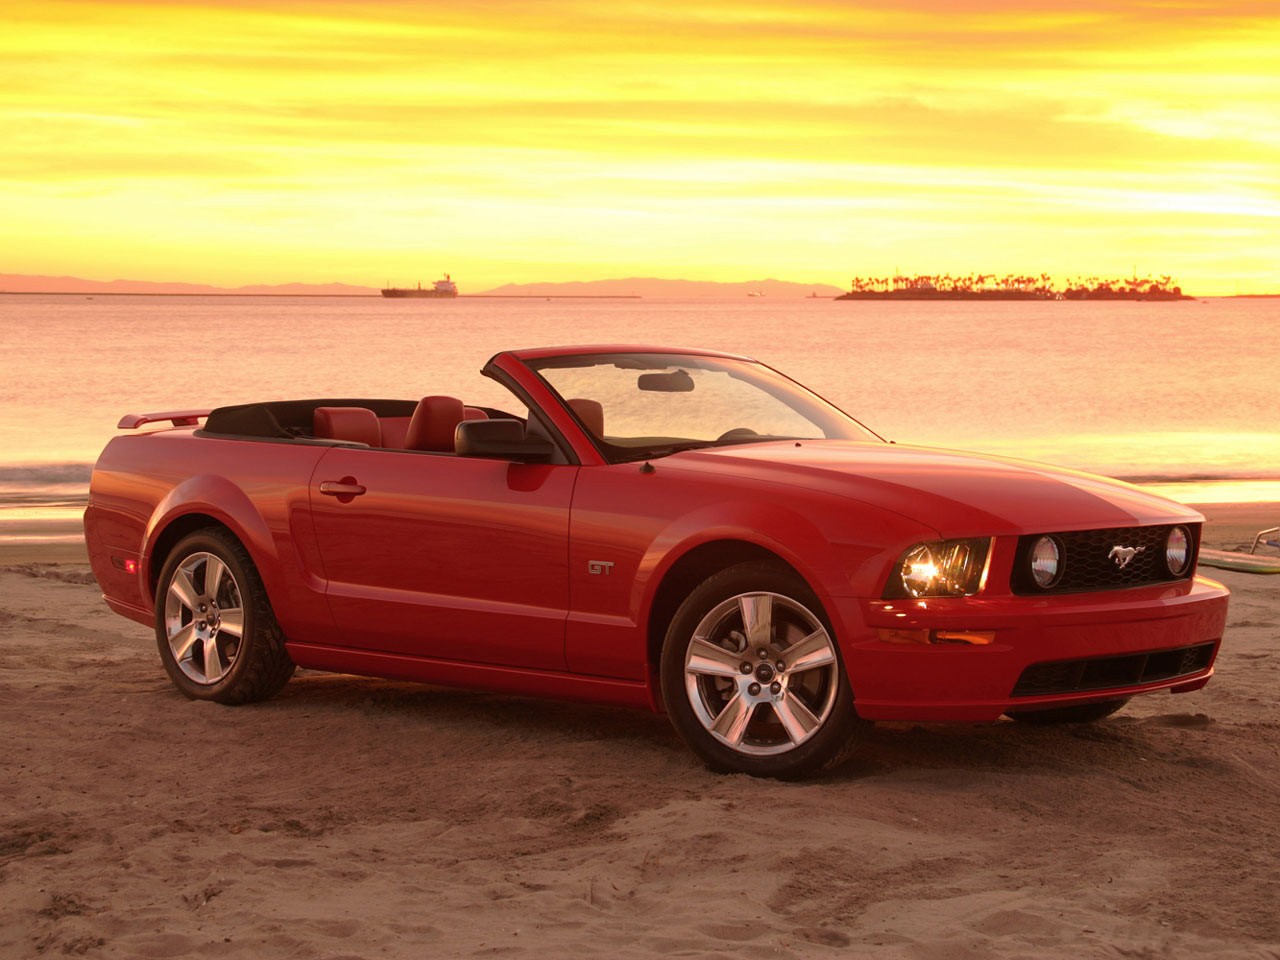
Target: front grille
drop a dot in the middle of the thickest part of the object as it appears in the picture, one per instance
(1088, 563)
(1102, 673)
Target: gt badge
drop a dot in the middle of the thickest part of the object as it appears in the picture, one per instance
(1123, 555)
(599, 566)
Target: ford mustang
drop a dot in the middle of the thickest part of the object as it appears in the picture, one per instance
(677, 530)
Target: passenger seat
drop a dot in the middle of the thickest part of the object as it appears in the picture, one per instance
(434, 421)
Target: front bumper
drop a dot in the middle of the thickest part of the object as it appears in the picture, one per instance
(897, 674)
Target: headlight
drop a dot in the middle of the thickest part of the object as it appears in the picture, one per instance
(1046, 562)
(1177, 551)
(940, 568)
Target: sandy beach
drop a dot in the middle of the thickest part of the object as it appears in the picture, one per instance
(353, 818)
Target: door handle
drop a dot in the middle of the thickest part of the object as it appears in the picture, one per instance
(346, 487)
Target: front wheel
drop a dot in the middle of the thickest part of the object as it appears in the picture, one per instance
(1078, 713)
(217, 635)
(752, 677)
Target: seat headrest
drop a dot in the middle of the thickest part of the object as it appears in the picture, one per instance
(591, 413)
(474, 413)
(433, 423)
(355, 424)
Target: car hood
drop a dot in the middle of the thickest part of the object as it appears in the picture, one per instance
(958, 494)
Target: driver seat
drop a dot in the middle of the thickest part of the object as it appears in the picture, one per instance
(591, 413)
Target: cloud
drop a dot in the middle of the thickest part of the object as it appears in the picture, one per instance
(927, 111)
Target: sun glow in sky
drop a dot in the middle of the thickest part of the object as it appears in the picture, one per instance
(811, 140)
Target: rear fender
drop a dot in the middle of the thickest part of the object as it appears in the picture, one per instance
(217, 497)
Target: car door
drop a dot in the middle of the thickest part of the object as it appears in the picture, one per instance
(446, 557)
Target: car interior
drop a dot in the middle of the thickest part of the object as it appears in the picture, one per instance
(427, 426)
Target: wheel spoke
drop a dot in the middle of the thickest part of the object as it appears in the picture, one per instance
(181, 641)
(795, 717)
(732, 722)
(182, 588)
(213, 571)
(212, 662)
(757, 618)
(704, 658)
(231, 621)
(815, 650)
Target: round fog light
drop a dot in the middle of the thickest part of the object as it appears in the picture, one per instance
(1177, 551)
(1046, 562)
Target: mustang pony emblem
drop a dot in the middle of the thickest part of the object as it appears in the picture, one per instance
(1123, 555)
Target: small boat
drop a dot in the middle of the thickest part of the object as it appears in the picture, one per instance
(441, 288)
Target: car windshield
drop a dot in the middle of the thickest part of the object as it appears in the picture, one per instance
(644, 405)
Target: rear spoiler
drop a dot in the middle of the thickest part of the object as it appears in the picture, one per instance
(179, 418)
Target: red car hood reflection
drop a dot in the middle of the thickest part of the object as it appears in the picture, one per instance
(958, 494)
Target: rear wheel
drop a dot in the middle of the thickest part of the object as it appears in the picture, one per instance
(217, 636)
(752, 677)
(1078, 713)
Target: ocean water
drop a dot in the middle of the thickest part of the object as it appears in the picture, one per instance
(1156, 392)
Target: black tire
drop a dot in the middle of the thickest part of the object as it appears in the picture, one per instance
(704, 686)
(1078, 713)
(195, 629)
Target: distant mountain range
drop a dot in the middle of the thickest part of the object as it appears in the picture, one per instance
(667, 289)
(633, 287)
(19, 283)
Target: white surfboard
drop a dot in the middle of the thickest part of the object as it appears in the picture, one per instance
(1244, 562)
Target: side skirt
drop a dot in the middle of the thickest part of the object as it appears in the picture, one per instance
(476, 676)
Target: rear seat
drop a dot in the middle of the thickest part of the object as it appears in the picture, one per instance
(394, 430)
(362, 425)
(352, 424)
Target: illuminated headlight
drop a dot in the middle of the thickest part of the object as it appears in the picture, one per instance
(1046, 562)
(940, 568)
(1177, 551)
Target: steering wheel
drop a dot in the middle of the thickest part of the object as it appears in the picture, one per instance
(737, 433)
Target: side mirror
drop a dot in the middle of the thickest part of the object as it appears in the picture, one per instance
(500, 440)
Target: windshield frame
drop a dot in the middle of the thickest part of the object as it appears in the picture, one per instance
(834, 423)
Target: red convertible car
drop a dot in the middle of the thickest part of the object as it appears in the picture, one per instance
(677, 530)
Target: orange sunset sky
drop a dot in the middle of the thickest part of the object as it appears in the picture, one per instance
(268, 142)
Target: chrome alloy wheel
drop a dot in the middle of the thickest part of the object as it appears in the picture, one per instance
(203, 618)
(761, 673)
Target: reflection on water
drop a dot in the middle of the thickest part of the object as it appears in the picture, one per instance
(1152, 392)
(61, 523)
(1149, 456)
(1218, 491)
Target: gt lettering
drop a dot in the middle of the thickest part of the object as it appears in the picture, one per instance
(599, 566)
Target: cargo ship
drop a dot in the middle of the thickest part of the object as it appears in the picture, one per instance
(441, 288)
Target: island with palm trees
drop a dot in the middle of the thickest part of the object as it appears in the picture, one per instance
(987, 286)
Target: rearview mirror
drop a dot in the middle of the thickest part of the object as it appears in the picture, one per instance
(500, 440)
(677, 381)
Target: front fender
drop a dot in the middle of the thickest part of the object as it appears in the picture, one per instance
(841, 550)
(782, 531)
(626, 539)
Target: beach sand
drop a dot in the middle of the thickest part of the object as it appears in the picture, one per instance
(358, 818)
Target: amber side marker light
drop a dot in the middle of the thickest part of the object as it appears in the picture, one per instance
(977, 638)
(128, 566)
